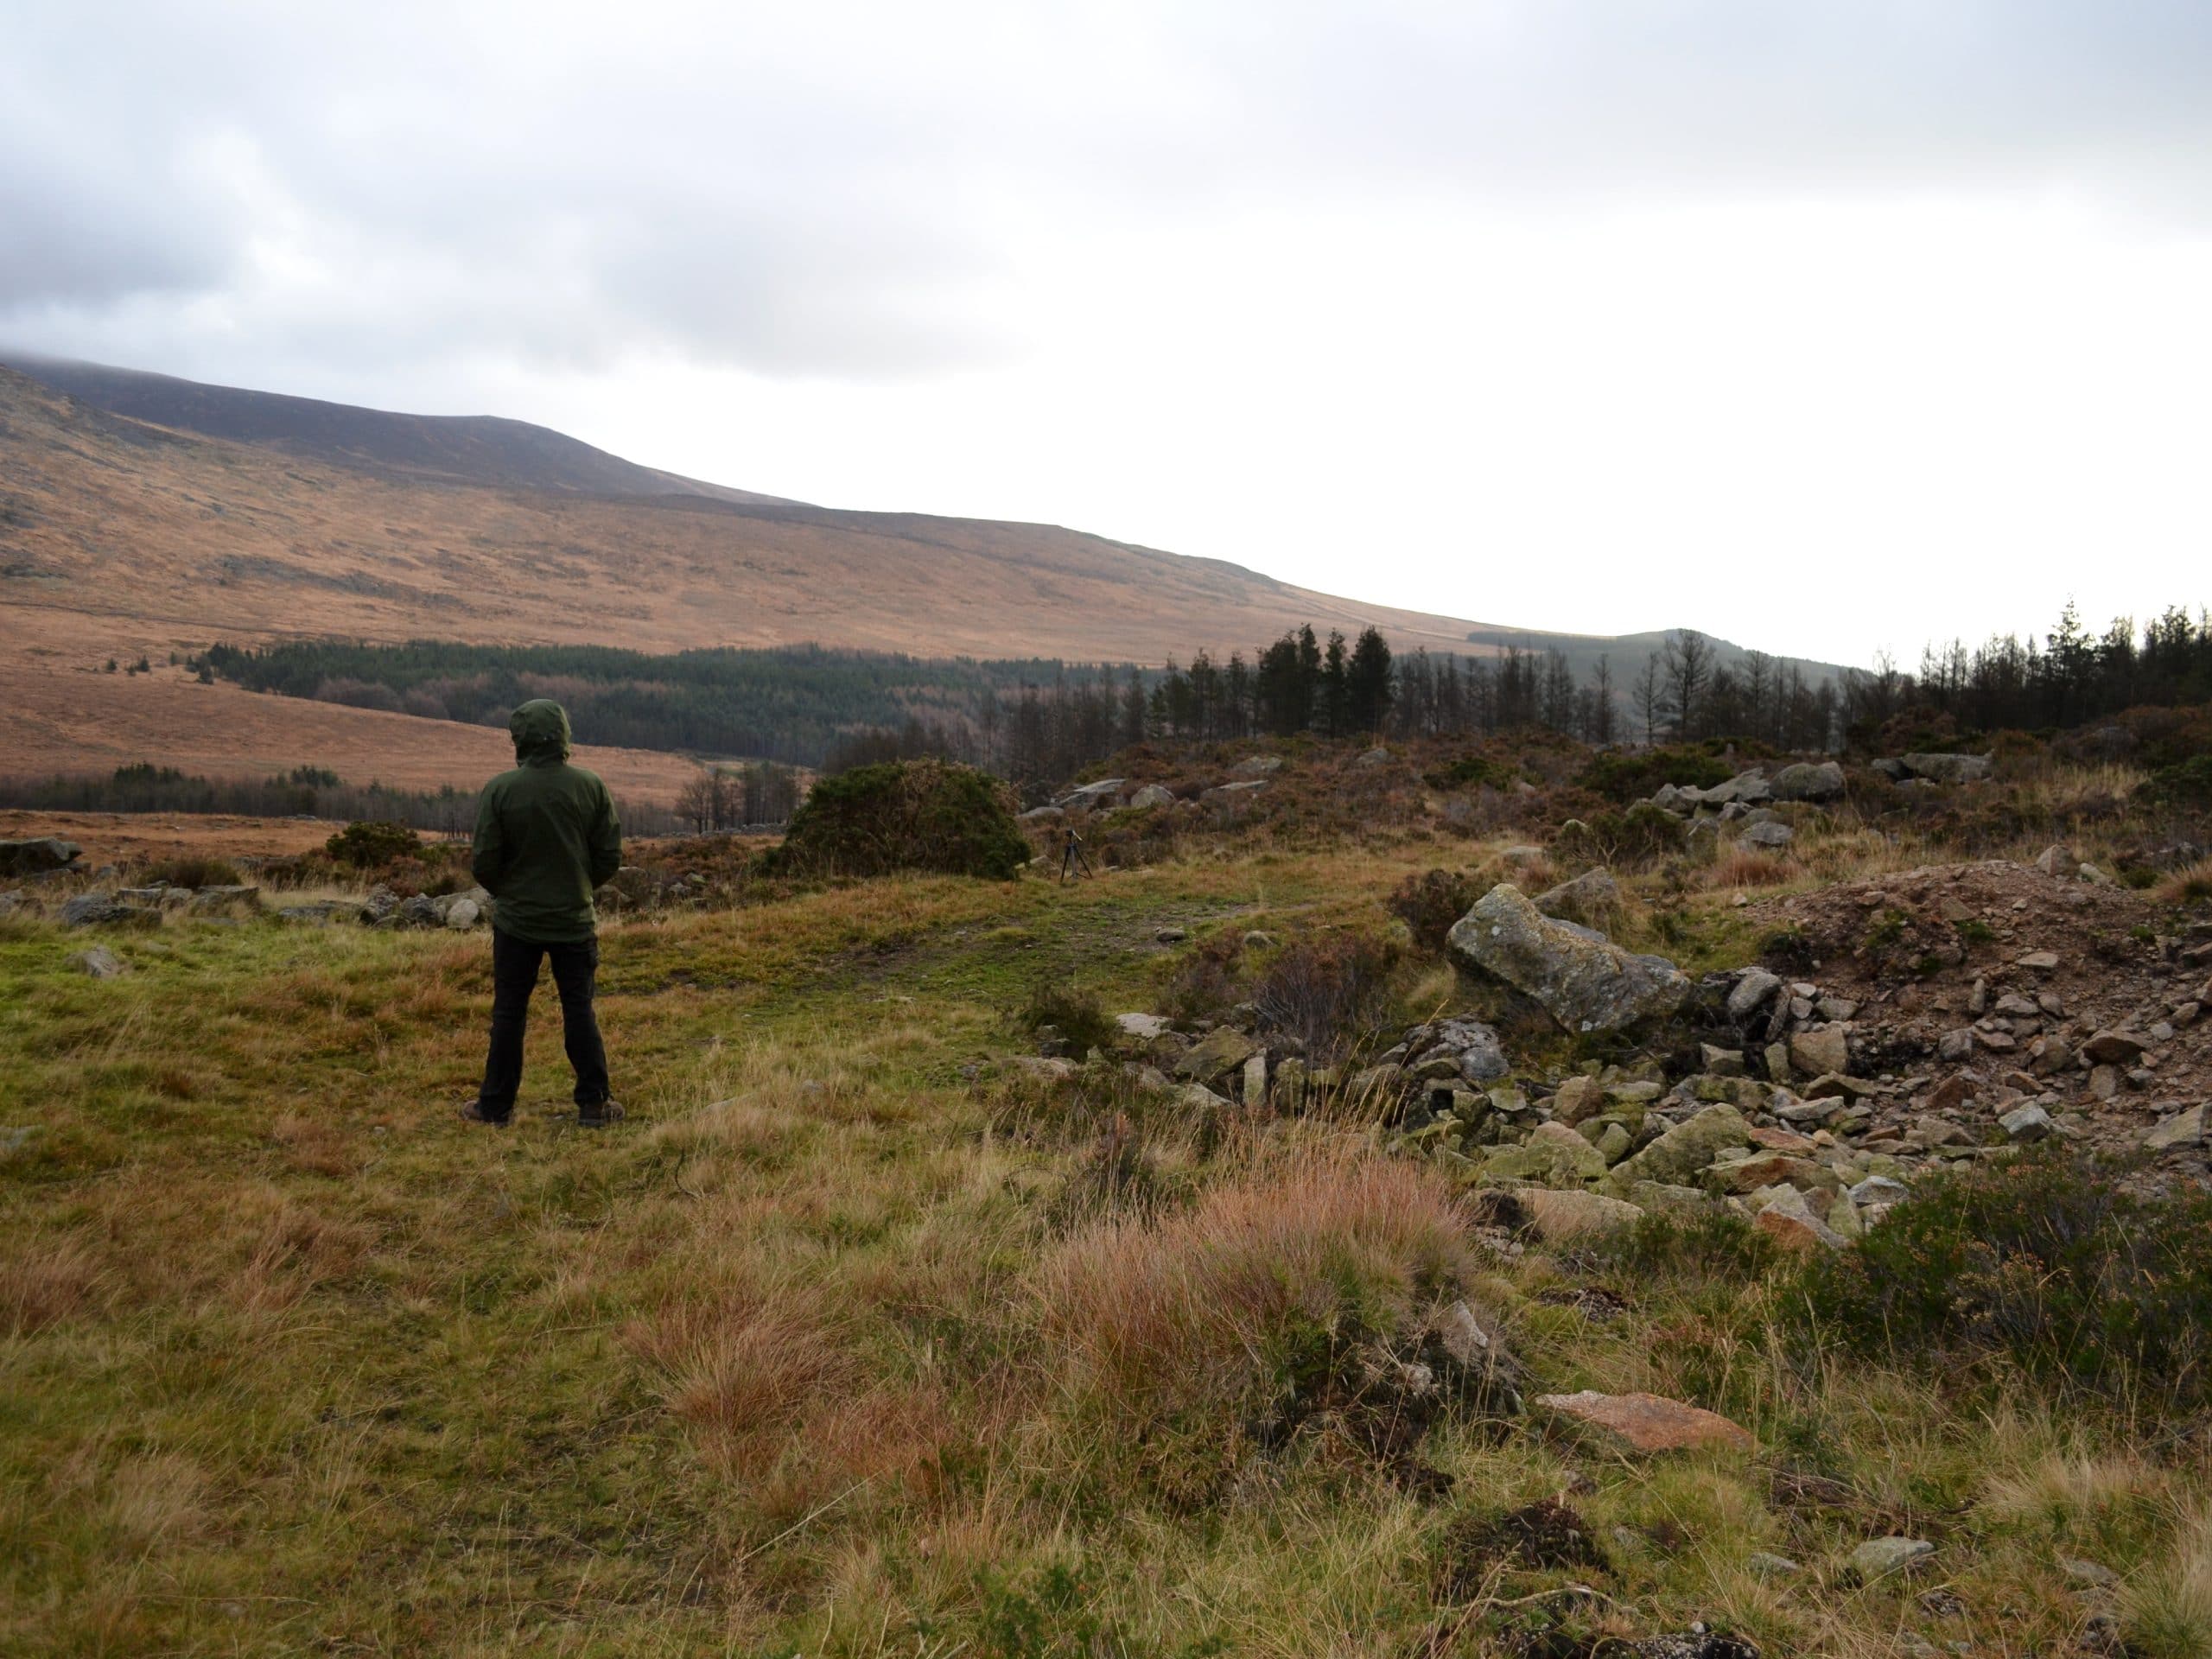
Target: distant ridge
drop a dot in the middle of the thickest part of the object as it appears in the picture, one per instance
(485, 449)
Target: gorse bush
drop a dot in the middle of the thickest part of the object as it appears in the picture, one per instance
(2045, 1262)
(189, 870)
(904, 815)
(1624, 776)
(1636, 837)
(367, 845)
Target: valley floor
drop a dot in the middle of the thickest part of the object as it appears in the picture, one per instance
(840, 1346)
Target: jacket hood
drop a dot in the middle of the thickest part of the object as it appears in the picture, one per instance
(540, 728)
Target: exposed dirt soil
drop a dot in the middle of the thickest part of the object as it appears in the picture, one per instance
(2033, 966)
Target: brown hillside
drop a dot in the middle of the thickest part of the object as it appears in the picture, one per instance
(117, 536)
(195, 539)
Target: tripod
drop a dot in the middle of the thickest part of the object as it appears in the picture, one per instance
(1071, 858)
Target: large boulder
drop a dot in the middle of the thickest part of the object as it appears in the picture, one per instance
(1589, 897)
(1808, 781)
(1153, 795)
(1678, 1157)
(1949, 768)
(1553, 1155)
(1581, 978)
(101, 910)
(1104, 792)
(37, 856)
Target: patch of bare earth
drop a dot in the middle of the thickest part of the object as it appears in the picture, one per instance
(1980, 988)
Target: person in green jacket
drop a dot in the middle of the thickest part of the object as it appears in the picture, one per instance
(546, 835)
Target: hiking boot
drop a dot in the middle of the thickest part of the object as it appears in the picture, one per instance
(599, 1116)
(475, 1113)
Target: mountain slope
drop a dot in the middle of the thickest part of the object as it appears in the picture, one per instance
(187, 539)
(457, 448)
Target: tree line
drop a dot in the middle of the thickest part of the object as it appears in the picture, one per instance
(304, 792)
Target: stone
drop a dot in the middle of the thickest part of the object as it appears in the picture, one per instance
(2087, 1573)
(1880, 1557)
(1141, 1027)
(462, 914)
(1151, 796)
(1663, 1198)
(1171, 936)
(1232, 795)
(1481, 1056)
(1685, 1151)
(1721, 1061)
(2182, 1129)
(226, 901)
(37, 855)
(1583, 980)
(1558, 1215)
(1950, 768)
(2104, 1081)
(1777, 1056)
(1822, 1050)
(1838, 1085)
(1807, 781)
(1762, 1565)
(1043, 1068)
(1587, 897)
(100, 962)
(1553, 1155)
(2042, 961)
(319, 914)
(1042, 815)
(1768, 835)
(1744, 789)
(1104, 792)
(2057, 860)
(1644, 1422)
(2115, 1047)
(1221, 1051)
(1257, 765)
(1375, 757)
(2026, 1123)
(1576, 1099)
(1788, 1219)
(1759, 1169)
(1255, 1078)
(100, 909)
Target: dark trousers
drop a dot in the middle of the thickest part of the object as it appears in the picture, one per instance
(514, 977)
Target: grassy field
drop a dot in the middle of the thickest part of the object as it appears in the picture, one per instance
(843, 1347)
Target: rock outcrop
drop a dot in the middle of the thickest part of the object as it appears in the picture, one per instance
(1582, 979)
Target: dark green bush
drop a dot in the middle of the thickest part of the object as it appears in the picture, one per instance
(1472, 771)
(1625, 775)
(371, 843)
(1638, 836)
(1077, 1015)
(904, 815)
(2044, 1260)
(187, 870)
(2187, 782)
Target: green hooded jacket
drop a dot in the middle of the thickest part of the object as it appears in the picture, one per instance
(546, 835)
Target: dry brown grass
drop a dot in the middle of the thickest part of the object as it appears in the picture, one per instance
(1154, 1317)
(2189, 886)
(1742, 867)
(43, 1283)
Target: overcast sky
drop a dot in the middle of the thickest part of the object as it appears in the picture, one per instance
(1823, 326)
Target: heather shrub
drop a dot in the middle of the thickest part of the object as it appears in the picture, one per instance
(905, 815)
(190, 870)
(1430, 904)
(2045, 1262)
(1327, 992)
(1625, 775)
